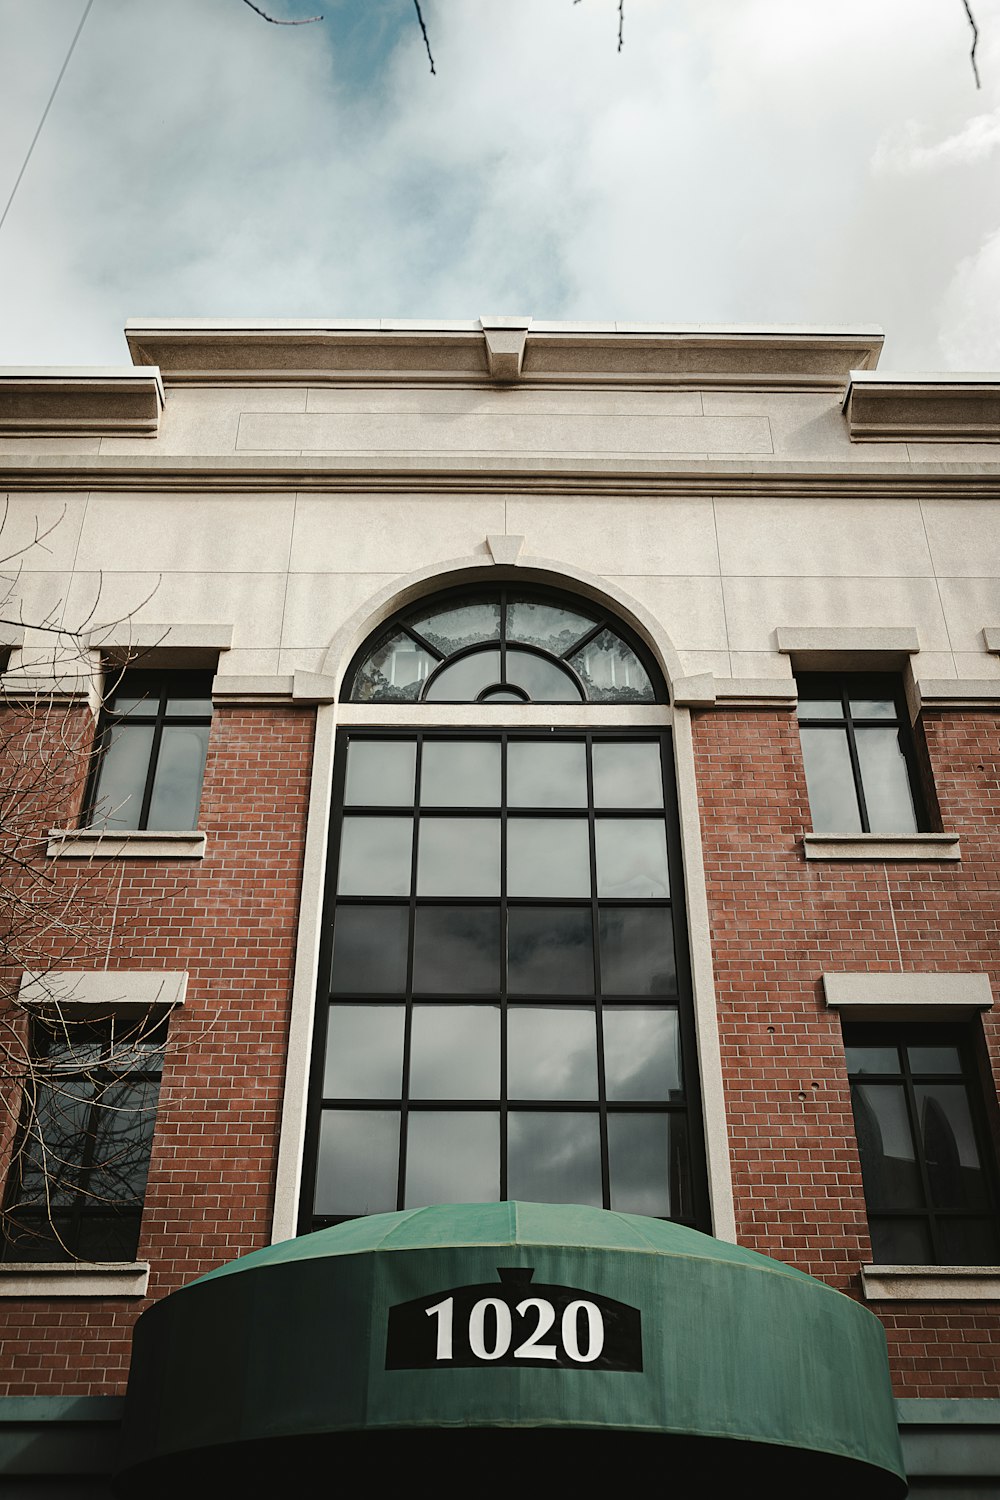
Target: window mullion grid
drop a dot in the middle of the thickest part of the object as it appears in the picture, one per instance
(404, 1115)
(602, 1098)
(504, 739)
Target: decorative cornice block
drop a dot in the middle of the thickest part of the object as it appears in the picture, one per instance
(73, 402)
(923, 408)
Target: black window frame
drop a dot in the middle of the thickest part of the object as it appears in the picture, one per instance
(976, 1079)
(845, 685)
(159, 687)
(699, 1215)
(30, 1233)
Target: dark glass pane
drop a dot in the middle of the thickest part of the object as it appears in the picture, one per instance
(455, 1052)
(550, 950)
(48, 1167)
(554, 1157)
(369, 950)
(551, 1052)
(637, 951)
(463, 680)
(901, 1242)
(546, 773)
(394, 672)
(108, 1236)
(648, 1161)
(872, 1059)
(885, 1144)
(122, 779)
(358, 1161)
(364, 1052)
(180, 767)
(934, 1059)
(124, 1116)
(32, 1237)
(459, 625)
(548, 857)
(452, 1157)
(873, 708)
(627, 775)
(632, 858)
(550, 626)
(375, 856)
(456, 950)
(542, 680)
(611, 671)
(458, 857)
(460, 773)
(968, 1242)
(642, 1054)
(954, 1169)
(830, 779)
(886, 781)
(380, 773)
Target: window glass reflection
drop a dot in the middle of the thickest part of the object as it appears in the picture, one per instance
(380, 773)
(375, 857)
(611, 671)
(954, 1171)
(885, 1144)
(886, 781)
(546, 773)
(627, 775)
(548, 857)
(369, 950)
(637, 951)
(550, 950)
(455, 1052)
(456, 950)
(358, 1161)
(452, 1157)
(460, 773)
(642, 1057)
(550, 626)
(632, 858)
(122, 781)
(648, 1161)
(364, 1052)
(551, 1052)
(830, 780)
(554, 1157)
(459, 625)
(394, 673)
(463, 680)
(542, 680)
(458, 857)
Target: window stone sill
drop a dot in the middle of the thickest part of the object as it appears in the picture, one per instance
(98, 843)
(938, 846)
(931, 1283)
(75, 1279)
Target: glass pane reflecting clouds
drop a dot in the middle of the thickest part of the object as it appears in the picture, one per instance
(375, 857)
(460, 773)
(364, 1052)
(632, 858)
(459, 625)
(873, 708)
(554, 1158)
(886, 781)
(358, 1161)
(452, 1157)
(637, 951)
(458, 857)
(830, 780)
(551, 1053)
(548, 625)
(122, 781)
(550, 951)
(819, 708)
(463, 680)
(369, 950)
(642, 1057)
(542, 680)
(456, 950)
(548, 857)
(180, 766)
(546, 773)
(648, 1161)
(394, 672)
(611, 671)
(380, 773)
(627, 775)
(455, 1052)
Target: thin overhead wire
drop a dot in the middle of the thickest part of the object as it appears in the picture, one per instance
(45, 111)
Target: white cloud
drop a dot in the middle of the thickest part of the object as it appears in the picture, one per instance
(901, 150)
(970, 324)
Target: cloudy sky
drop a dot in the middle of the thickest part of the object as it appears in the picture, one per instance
(747, 161)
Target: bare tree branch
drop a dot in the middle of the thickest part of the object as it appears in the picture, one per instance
(304, 21)
(975, 41)
(427, 43)
(621, 24)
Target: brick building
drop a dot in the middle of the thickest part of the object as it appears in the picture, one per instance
(513, 762)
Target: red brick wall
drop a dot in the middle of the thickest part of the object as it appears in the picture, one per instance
(778, 923)
(230, 921)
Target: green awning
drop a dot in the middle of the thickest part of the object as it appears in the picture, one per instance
(477, 1332)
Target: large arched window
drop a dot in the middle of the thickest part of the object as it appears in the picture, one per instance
(505, 1003)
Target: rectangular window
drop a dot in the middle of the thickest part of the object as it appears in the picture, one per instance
(859, 754)
(928, 1170)
(78, 1177)
(150, 760)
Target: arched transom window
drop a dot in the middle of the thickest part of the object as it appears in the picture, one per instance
(506, 646)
